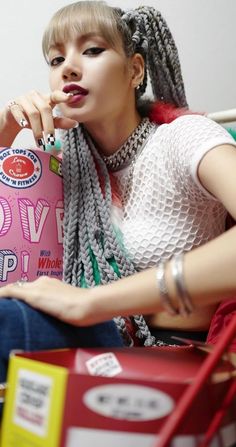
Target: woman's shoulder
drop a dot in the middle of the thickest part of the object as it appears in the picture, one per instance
(199, 121)
(196, 129)
(187, 124)
(170, 118)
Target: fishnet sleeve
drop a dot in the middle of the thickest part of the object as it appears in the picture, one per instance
(192, 137)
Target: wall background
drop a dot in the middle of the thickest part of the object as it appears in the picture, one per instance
(204, 31)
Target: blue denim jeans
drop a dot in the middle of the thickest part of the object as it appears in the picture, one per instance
(22, 327)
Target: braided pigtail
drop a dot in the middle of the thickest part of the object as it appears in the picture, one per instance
(92, 252)
(90, 242)
(152, 38)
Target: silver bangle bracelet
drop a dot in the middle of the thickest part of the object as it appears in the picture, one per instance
(185, 302)
(164, 295)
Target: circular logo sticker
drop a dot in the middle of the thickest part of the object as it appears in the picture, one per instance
(128, 402)
(19, 168)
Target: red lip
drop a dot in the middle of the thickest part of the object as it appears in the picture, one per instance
(75, 88)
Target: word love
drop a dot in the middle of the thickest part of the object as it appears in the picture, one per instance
(33, 218)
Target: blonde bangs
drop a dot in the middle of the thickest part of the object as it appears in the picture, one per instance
(81, 18)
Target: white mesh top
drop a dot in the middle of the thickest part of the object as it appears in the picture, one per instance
(168, 211)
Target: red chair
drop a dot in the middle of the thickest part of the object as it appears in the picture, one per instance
(177, 417)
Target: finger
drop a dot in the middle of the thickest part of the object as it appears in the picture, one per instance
(37, 294)
(54, 98)
(29, 292)
(58, 96)
(33, 114)
(65, 124)
(17, 112)
(45, 109)
(15, 290)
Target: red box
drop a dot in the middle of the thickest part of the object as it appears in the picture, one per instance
(122, 397)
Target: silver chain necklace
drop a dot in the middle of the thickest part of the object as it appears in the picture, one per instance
(132, 146)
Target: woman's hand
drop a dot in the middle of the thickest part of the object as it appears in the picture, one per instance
(34, 111)
(63, 301)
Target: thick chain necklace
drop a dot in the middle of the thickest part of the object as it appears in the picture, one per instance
(133, 145)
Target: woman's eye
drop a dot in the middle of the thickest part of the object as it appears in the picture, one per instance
(93, 51)
(56, 60)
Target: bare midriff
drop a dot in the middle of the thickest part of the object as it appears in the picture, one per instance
(199, 320)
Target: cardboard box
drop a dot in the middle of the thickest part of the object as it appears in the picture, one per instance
(31, 215)
(88, 397)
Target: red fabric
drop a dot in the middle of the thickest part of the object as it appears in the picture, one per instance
(163, 113)
(220, 320)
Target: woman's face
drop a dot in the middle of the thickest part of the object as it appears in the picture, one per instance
(99, 76)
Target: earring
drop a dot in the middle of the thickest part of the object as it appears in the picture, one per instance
(139, 85)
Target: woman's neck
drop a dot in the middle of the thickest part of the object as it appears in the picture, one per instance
(110, 135)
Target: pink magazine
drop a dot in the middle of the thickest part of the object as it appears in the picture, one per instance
(31, 215)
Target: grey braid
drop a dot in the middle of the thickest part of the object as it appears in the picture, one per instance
(152, 38)
(87, 223)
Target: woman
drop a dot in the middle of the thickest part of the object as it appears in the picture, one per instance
(137, 194)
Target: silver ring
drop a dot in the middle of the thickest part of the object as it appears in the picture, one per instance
(11, 104)
(19, 283)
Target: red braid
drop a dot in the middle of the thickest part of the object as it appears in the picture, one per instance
(164, 113)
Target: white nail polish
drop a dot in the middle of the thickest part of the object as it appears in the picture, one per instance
(23, 122)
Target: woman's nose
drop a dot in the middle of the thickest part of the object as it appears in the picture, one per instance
(71, 75)
(71, 70)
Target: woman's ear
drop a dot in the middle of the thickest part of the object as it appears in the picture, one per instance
(137, 67)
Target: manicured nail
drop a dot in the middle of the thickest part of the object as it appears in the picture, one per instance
(51, 139)
(23, 122)
(41, 143)
(76, 125)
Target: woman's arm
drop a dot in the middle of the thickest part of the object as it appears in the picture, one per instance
(217, 173)
(209, 273)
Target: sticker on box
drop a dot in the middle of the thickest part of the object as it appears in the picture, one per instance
(106, 365)
(32, 402)
(128, 402)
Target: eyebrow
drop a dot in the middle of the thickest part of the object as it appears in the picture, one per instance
(92, 35)
(89, 35)
(81, 39)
